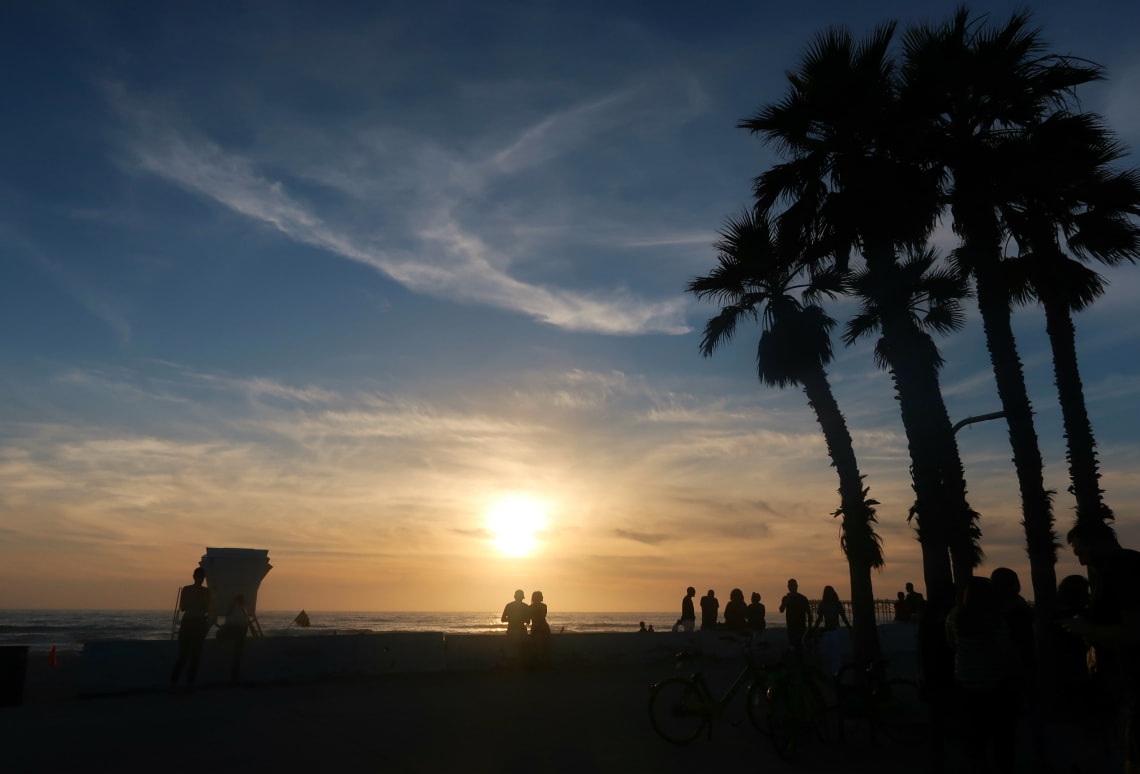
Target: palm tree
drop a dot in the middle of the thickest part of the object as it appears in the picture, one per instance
(751, 280)
(1071, 192)
(971, 87)
(855, 176)
(930, 301)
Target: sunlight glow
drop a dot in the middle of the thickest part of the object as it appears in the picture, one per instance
(514, 521)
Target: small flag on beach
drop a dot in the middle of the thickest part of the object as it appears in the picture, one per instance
(302, 619)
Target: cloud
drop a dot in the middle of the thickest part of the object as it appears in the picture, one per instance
(436, 253)
(648, 538)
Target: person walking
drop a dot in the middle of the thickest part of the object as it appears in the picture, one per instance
(688, 615)
(194, 602)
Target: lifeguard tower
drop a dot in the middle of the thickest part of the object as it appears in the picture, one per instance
(231, 572)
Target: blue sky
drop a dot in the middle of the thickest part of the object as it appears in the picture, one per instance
(333, 280)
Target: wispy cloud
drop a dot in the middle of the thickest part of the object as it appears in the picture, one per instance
(437, 254)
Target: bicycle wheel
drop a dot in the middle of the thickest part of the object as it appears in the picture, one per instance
(758, 702)
(795, 711)
(900, 714)
(677, 710)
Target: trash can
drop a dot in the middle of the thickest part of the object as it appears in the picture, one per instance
(13, 670)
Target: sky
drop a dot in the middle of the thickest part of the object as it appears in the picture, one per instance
(351, 281)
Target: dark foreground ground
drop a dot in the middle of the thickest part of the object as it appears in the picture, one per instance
(569, 720)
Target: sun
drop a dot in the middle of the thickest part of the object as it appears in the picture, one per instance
(514, 522)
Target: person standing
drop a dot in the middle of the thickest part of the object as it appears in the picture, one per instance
(1111, 624)
(830, 612)
(755, 615)
(539, 632)
(985, 683)
(914, 602)
(797, 612)
(902, 610)
(688, 614)
(710, 606)
(515, 616)
(736, 611)
(234, 630)
(194, 602)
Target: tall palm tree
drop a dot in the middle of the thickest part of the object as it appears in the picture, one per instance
(972, 87)
(930, 300)
(854, 173)
(1072, 193)
(752, 280)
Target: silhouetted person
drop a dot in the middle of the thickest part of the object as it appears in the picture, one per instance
(194, 602)
(641, 625)
(515, 616)
(688, 615)
(539, 631)
(914, 602)
(736, 611)
(830, 612)
(902, 612)
(710, 606)
(1072, 651)
(651, 628)
(755, 615)
(1111, 624)
(1019, 618)
(679, 626)
(797, 613)
(234, 630)
(936, 671)
(1076, 695)
(984, 675)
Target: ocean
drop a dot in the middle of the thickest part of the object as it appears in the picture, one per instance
(67, 630)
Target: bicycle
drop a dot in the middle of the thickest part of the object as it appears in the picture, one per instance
(796, 702)
(681, 707)
(891, 706)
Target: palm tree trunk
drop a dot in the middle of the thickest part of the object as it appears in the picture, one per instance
(961, 528)
(1084, 472)
(932, 509)
(859, 540)
(1036, 501)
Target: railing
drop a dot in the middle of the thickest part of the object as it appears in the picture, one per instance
(884, 609)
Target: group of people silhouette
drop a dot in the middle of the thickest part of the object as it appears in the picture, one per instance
(989, 663)
(533, 647)
(738, 615)
(908, 605)
(751, 617)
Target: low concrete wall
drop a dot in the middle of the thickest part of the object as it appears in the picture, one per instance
(117, 666)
